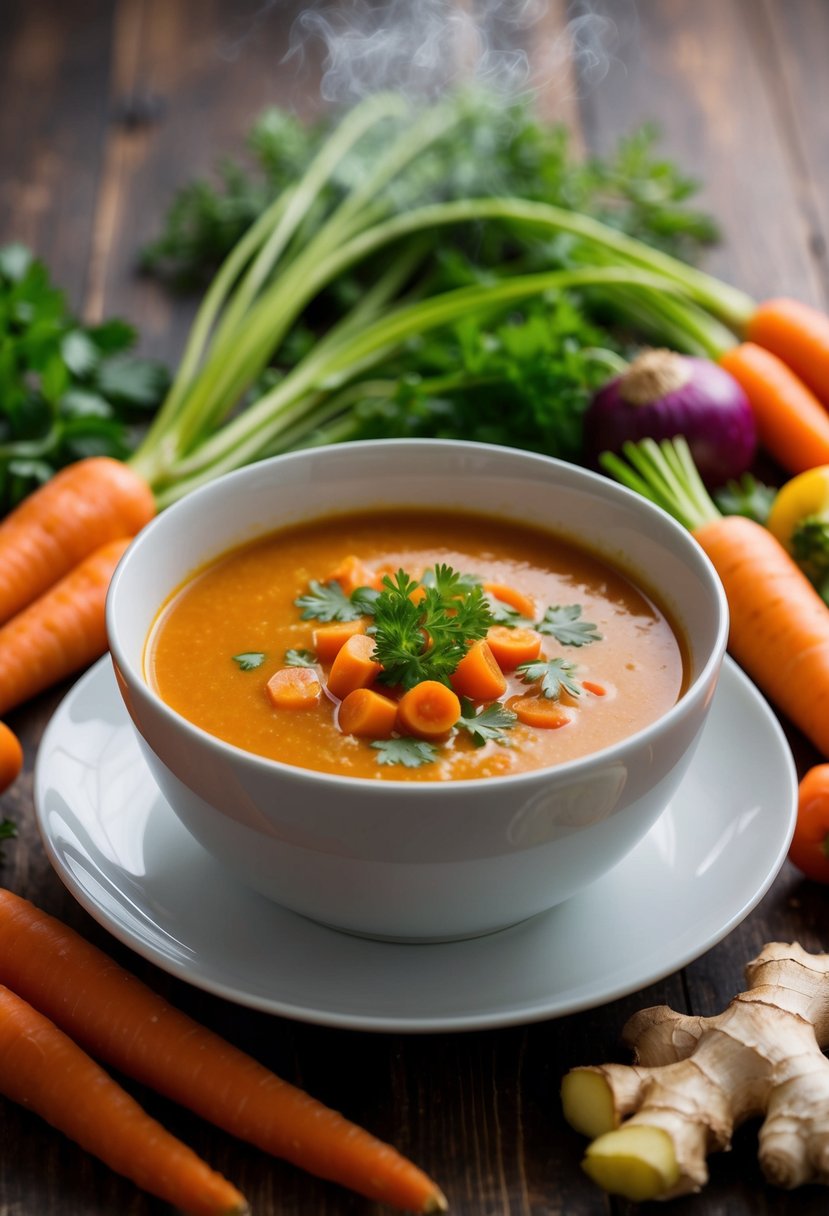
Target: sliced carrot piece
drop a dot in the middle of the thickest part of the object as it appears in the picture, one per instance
(352, 573)
(512, 596)
(478, 676)
(294, 688)
(353, 666)
(330, 639)
(428, 711)
(513, 646)
(598, 690)
(368, 714)
(540, 712)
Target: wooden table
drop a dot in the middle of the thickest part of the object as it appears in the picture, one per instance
(104, 108)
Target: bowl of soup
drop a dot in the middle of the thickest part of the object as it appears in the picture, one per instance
(416, 690)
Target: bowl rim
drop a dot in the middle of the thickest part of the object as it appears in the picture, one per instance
(569, 769)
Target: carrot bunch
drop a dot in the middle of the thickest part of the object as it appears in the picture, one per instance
(61, 998)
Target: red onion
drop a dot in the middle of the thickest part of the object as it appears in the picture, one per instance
(664, 394)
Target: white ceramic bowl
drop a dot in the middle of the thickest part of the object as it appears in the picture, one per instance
(421, 860)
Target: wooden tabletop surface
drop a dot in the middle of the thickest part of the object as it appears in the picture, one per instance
(105, 107)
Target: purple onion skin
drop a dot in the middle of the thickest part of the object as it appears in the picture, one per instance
(711, 411)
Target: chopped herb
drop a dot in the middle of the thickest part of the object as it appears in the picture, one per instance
(328, 602)
(364, 599)
(249, 660)
(410, 752)
(8, 831)
(300, 658)
(505, 614)
(426, 640)
(556, 676)
(488, 725)
(562, 622)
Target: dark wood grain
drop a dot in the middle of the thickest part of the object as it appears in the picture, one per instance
(105, 108)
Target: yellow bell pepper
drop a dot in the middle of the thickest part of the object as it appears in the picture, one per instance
(799, 518)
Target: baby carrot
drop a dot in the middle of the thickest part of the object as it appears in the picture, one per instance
(329, 639)
(44, 1070)
(294, 688)
(792, 424)
(353, 666)
(11, 757)
(513, 597)
(59, 633)
(513, 646)
(428, 711)
(368, 714)
(799, 335)
(110, 1013)
(478, 676)
(83, 507)
(540, 712)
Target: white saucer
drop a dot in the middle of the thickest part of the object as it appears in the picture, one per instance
(124, 855)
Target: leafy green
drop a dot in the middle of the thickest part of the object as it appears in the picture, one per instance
(407, 751)
(746, 496)
(249, 660)
(66, 390)
(554, 675)
(488, 724)
(8, 831)
(300, 658)
(425, 638)
(328, 602)
(563, 622)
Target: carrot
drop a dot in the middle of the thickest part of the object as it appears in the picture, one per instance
(329, 639)
(294, 688)
(792, 424)
(799, 335)
(513, 646)
(352, 573)
(513, 597)
(598, 690)
(44, 1070)
(83, 507)
(540, 712)
(428, 711)
(353, 666)
(115, 1017)
(11, 757)
(478, 676)
(59, 633)
(779, 625)
(367, 714)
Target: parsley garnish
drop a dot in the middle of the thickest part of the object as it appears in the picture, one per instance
(409, 752)
(487, 725)
(562, 622)
(8, 831)
(300, 658)
(328, 602)
(505, 614)
(249, 660)
(426, 640)
(556, 675)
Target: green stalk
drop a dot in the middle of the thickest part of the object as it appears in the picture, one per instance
(666, 474)
(344, 354)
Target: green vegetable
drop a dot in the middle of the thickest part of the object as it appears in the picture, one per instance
(250, 660)
(747, 496)
(328, 602)
(563, 622)
(66, 391)
(488, 724)
(300, 658)
(8, 831)
(425, 640)
(554, 675)
(410, 752)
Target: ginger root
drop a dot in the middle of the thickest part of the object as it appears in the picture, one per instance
(694, 1079)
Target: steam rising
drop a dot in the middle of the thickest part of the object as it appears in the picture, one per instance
(425, 47)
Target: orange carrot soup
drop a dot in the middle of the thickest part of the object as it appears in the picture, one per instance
(415, 645)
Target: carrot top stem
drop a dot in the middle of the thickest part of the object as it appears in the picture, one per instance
(666, 474)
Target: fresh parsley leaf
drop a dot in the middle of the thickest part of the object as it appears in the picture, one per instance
(249, 660)
(563, 622)
(505, 614)
(487, 725)
(555, 675)
(364, 599)
(328, 602)
(409, 752)
(425, 640)
(300, 658)
(8, 831)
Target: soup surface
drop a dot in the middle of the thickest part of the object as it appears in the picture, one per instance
(603, 661)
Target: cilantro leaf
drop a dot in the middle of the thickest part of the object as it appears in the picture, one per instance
(564, 624)
(328, 602)
(487, 725)
(364, 598)
(300, 658)
(427, 638)
(505, 614)
(556, 676)
(411, 753)
(249, 660)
